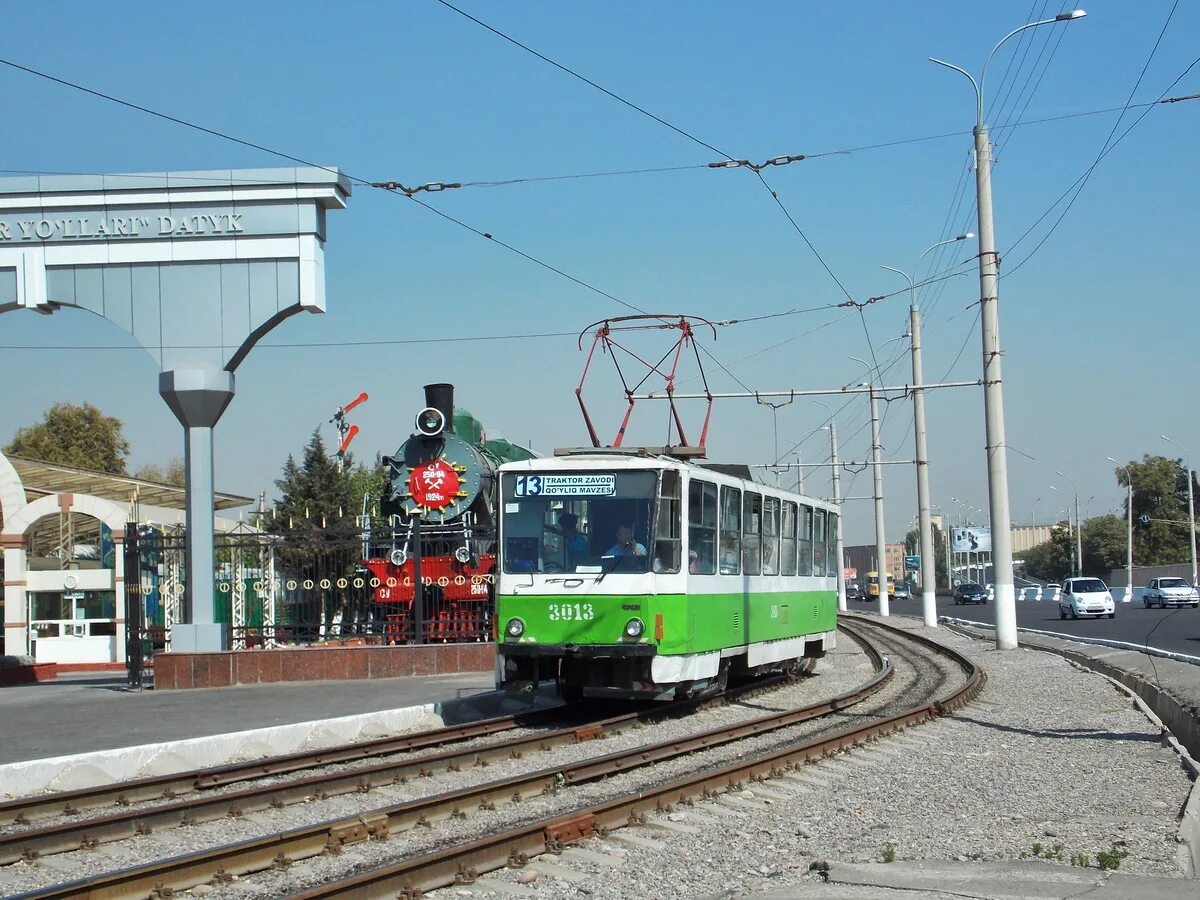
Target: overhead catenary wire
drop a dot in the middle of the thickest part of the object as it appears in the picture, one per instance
(660, 120)
(1107, 147)
(302, 161)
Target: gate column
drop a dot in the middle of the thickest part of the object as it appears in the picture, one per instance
(198, 397)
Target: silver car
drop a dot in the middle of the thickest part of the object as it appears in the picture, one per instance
(1166, 592)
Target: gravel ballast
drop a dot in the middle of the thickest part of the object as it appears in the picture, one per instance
(1049, 757)
(845, 668)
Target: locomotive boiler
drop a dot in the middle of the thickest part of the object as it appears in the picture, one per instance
(433, 561)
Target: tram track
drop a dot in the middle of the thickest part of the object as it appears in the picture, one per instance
(26, 810)
(515, 847)
(281, 849)
(202, 802)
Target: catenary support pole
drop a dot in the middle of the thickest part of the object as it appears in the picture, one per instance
(880, 534)
(837, 500)
(993, 400)
(925, 523)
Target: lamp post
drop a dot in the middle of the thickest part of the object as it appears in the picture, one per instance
(1191, 506)
(1129, 516)
(993, 390)
(1078, 524)
(925, 521)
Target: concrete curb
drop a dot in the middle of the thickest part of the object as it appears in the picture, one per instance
(64, 773)
(1178, 721)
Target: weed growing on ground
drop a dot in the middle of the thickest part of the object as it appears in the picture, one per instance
(1111, 858)
(889, 854)
(1054, 853)
(1081, 859)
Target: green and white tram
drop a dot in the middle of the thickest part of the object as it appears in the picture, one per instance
(625, 574)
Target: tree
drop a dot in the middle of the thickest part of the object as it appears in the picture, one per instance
(1159, 493)
(1051, 560)
(79, 436)
(1104, 539)
(173, 473)
(912, 547)
(369, 483)
(314, 492)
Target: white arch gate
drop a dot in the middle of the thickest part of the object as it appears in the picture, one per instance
(197, 266)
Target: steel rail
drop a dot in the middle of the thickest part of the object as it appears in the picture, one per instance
(25, 810)
(462, 864)
(221, 864)
(206, 807)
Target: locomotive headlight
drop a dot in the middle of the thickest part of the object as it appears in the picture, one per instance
(515, 628)
(463, 555)
(399, 557)
(430, 422)
(634, 628)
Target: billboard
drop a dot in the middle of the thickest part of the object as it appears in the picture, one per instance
(976, 539)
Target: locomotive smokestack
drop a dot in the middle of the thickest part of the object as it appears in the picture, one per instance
(441, 398)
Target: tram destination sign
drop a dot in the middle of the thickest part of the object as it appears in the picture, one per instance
(146, 224)
(582, 485)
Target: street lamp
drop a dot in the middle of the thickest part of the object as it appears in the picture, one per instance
(993, 390)
(1078, 524)
(1129, 516)
(1191, 506)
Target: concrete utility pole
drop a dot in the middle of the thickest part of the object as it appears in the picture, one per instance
(1129, 539)
(928, 562)
(837, 500)
(1191, 506)
(880, 535)
(925, 521)
(993, 388)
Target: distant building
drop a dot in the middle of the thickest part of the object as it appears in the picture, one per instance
(1026, 537)
(862, 558)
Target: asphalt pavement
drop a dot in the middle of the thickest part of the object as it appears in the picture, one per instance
(1177, 630)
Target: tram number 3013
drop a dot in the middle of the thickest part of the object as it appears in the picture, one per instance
(571, 612)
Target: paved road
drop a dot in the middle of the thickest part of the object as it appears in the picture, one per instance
(1171, 629)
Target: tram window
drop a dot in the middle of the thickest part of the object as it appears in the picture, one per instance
(770, 537)
(832, 561)
(752, 533)
(805, 559)
(702, 527)
(731, 530)
(819, 544)
(668, 525)
(787, 553)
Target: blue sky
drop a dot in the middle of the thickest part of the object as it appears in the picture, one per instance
(1097, 334)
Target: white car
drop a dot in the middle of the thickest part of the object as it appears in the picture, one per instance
(1051, 592)
(1031, 593)
(1166, 592)
(1085, 597)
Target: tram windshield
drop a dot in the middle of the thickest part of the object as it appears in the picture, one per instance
(590, 522)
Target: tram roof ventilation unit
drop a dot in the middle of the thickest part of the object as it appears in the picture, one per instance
(684, 453)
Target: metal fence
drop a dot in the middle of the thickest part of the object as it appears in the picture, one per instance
(307, 585)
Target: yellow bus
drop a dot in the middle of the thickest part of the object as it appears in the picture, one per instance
(873, 585)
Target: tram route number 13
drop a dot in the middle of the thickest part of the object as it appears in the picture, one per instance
(571, 612)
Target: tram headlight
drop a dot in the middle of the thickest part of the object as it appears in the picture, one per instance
(515, 628)
(634, 628)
